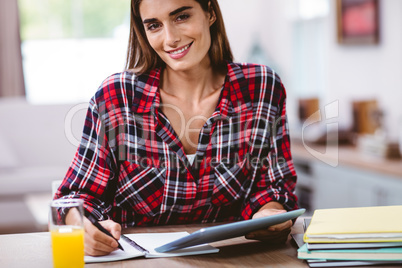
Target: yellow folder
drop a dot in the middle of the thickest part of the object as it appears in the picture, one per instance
(355, 225)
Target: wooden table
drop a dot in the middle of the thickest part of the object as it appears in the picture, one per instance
(34, 250)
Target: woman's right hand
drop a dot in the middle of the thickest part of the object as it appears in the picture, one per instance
(96, 242)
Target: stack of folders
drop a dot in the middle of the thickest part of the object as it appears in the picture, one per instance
(360, 236)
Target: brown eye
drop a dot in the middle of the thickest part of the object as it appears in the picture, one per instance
(153, 26)
(182, 17)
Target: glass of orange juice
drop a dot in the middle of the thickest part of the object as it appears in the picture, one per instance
(67, 237)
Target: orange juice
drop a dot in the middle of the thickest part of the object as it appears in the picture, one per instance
(68, 247)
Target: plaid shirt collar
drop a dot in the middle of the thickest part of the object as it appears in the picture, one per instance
(229, 104)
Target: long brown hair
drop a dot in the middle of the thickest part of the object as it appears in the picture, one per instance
(142, 58)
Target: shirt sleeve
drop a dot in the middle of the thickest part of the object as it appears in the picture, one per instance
(90, 175)
(275, 174)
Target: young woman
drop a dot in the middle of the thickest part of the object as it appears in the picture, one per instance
(184, 135)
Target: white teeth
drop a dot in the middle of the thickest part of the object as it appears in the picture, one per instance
(180, 50)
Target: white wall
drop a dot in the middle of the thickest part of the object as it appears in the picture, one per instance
(266, 20)
(348, 73)
(373, 71)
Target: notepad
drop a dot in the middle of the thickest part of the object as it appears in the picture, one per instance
(355, 225)
(143, 245)
(379, 254)
(341, 263)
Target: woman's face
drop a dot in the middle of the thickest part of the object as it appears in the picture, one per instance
(178, 31)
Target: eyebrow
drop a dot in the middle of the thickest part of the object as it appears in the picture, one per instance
(174, 12)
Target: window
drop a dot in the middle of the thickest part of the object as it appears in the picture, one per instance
(309, 48)
(309, 9)
(69, 47)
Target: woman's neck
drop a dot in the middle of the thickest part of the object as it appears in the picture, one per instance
(193, 85)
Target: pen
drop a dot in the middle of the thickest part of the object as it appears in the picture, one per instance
(100, 227)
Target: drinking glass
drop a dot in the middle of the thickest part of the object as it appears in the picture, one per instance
(67, 238)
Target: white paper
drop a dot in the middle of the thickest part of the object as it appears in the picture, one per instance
(150, 241)
(128, 253)
(164, 238)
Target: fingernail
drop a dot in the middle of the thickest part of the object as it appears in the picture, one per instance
(114, 244)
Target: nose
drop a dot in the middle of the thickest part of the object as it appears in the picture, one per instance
(172, 35)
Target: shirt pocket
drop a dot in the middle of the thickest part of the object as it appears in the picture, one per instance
(141, 188)
(231, 183)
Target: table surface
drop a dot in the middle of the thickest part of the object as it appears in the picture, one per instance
(34, 250)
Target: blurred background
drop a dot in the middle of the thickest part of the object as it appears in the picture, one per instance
(339, 60)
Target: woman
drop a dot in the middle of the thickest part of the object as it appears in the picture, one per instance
(184, 135)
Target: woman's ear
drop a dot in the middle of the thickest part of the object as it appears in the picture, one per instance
(212, 16)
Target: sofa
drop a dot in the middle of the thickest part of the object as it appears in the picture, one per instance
(37, 144)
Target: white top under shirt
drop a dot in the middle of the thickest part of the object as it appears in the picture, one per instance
(190, 158)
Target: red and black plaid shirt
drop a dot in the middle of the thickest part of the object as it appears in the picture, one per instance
(131, 166)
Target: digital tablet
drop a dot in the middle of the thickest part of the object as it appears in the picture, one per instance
(229, 230)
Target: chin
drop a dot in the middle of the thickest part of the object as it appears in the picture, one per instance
(181, 66)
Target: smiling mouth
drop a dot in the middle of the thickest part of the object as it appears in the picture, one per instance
(175, 52)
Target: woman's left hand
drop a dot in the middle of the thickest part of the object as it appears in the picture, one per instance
(275, 234)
